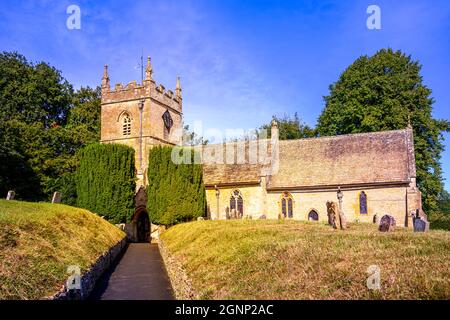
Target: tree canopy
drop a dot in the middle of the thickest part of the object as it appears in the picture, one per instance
(386, 92)
(289, 127)
(43, 122)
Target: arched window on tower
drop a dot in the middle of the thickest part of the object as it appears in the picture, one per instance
(362, 203)
(126, 125)
(287, 205)
(236, 205)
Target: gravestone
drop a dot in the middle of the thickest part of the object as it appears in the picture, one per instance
(387, 223)
(56, 197)
(200, 219)
(375, 218)
(10, 196)
(263, 216)
(334, 218)
(421, 225)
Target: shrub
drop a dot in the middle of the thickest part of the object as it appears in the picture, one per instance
(105, 181)
(176, 192)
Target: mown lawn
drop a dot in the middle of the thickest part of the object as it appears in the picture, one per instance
(38, 241)
(263, 259)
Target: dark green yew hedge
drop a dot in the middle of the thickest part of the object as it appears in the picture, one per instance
(176, 192)
(106, 181)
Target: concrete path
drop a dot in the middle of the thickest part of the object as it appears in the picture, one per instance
(139, 275)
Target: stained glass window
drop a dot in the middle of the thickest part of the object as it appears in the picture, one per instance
(313, 216)
(287, 205)
(237, 203)
(363, 203)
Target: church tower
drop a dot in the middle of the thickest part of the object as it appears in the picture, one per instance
(141, 116)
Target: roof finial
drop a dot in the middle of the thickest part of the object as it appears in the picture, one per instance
(178, 88)
(149, 69)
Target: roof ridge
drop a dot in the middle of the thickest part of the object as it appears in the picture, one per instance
(347, 135)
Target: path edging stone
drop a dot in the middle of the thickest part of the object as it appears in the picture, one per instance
(181, 283)
(89, 277)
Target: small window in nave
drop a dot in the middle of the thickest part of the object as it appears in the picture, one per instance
(362, 203)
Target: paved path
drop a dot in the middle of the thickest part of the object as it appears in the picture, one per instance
(139, 275)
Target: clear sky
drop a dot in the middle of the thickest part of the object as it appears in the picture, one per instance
(240, 61)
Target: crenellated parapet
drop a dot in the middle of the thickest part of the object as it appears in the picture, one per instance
(148, 89)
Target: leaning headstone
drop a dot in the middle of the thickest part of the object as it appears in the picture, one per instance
(263, 216)
(56, 197)
(10, 196)
(387, 223)
(200, 219)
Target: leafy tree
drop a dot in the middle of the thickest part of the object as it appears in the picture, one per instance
(43, 123)
(84, 116)
(191, 138)
(176, 192)
(290, 128)
(34, 105)
(106, 181)
(444, 202)
(385, 92)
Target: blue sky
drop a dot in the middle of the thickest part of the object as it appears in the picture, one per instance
(240, 61)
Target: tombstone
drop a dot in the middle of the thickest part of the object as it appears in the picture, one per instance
(334, 218)
(200, 219)
(10, 196)
(387, 224)
(263, 216)
(375, 218)
(421, 225)
(56, 197)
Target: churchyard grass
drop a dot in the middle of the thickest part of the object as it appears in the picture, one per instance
(263, 259)
(39, 241)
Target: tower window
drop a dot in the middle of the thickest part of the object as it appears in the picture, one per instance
(126, 125)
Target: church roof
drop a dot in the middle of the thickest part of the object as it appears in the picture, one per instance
(356, 159)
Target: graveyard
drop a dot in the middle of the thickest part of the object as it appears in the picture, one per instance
(269, 259)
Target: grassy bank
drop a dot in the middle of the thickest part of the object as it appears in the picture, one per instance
(38, 241)
(301, 260)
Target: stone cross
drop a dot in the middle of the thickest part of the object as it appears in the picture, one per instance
(10, 196)
(56, 197)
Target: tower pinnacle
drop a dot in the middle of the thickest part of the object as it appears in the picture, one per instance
(149, 69)
(105, 79)
(178, 89)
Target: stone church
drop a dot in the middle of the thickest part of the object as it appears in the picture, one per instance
(375, 172)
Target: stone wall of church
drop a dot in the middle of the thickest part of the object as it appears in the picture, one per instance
(380, 201)
(253, 197)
